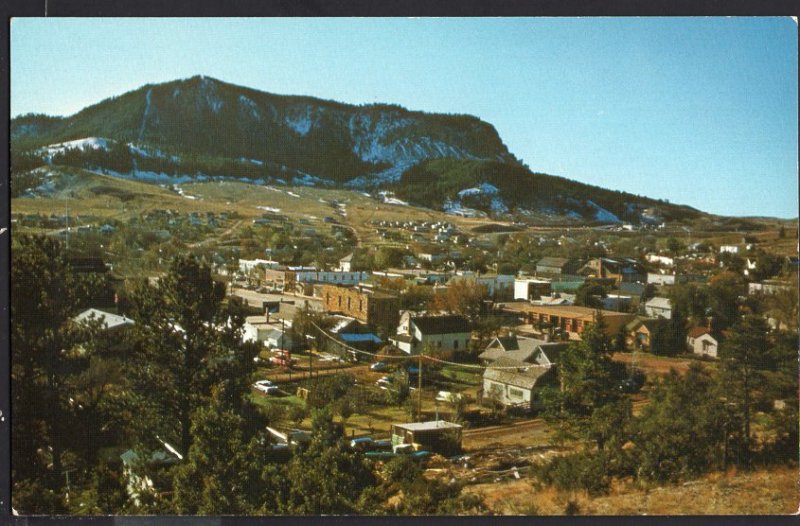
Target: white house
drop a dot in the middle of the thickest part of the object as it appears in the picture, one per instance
(426, 333)
(274, 336)
(246, 265)
(702, 343)
(531, 288)
(658, 308)
(345, 264)
(511, 382)
(522, 349)
(660, 279)
(730, 249)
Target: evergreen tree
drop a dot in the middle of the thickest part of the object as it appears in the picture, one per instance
(744, 356)
(184, 345)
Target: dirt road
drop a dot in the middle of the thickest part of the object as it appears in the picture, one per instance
(524, 433)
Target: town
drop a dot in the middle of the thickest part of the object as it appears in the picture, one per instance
(445, 352)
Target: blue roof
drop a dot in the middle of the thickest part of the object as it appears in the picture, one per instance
(356, 338)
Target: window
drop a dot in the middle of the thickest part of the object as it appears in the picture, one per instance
(514, 393)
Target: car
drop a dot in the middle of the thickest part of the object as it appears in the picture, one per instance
(633, 384)
(384, 383)
(362, 443)
(378, 366)
(266, 386)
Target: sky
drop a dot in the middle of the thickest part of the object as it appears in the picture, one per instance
(697, 111)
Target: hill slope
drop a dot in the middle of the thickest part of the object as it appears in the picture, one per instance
(206, 118)
(201, 128)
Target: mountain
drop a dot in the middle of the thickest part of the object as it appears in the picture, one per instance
(201, 128)
(206, 118)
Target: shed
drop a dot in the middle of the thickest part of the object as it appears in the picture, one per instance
(437, 436)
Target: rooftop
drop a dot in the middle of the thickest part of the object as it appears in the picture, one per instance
(566, 311)
(428, 426)
(108, 320)
(449, 324)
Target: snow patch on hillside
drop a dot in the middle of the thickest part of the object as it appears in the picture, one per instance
(269, 209)
(498, 206)
(483, 188)
(208, 90)
(305, 179)
(249, 106)
(455, 208)
(389, 175)
(145, 152)
(300, 120)
(390, 199)
(601, 214)
(90, 143)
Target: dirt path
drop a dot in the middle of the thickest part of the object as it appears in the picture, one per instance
(217, 237)
(525, 433)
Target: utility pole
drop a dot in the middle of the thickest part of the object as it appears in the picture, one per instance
(419, 387)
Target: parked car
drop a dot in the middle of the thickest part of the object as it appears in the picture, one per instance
(384, 382)
(266, 387)
(263, 384)
(378, 366)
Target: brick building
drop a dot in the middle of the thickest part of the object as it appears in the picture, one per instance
(378, 309)
(568, 320)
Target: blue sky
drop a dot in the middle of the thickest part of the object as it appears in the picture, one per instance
(699, 111)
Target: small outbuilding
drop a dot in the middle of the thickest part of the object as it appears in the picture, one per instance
(437, 436)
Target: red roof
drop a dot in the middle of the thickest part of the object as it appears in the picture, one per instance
(696, 332)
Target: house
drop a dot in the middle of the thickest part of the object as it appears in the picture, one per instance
(437, 436)
(346, 263)
(496, 284)
(701, 342)
(531, 288)
(639, 332)
(352, 333)
(421, 333)
(567, 321)
(147, 476)
(769, 286)
(522, 349)
(660, 279)
(551, 265)
(512, 382)
(377, 309)
(729, 249)
(620, 270)
(616, 302)
(658, 308)
(110, 323)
